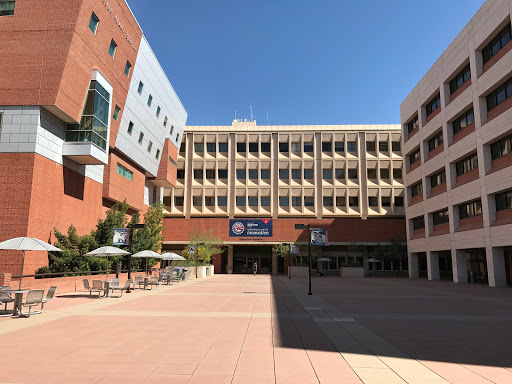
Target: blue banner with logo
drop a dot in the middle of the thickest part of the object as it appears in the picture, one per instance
(250, 228)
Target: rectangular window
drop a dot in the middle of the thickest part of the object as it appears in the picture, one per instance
(165, 122)
(210, 174)
(397, 173)
(399, 201)
(308, 147)
(209, 201)
(413, 124)
(198, 147)
(253, 174)
(141, 137)
(265, 147)
(180, 174)
(467, 164)
(384, 173)
(157, 154)
(396, 146)
(150, 100)
(416, 189)
(433, 104)
(222, 201)
(470, 210)
(116, 112)
(460, 78)
(414, 157)
(339, 173)
(241, 174)
(383, 146)
(284, 201)
(296, 174)
(370, 146)
(253, 201)
(223, 174)
(198, 174)
(501, 147)
(438, 179)
(179, 201)
(283, 148)
(182, 149)
(353, 201)
(373, 201)
(197, 201)
(498, 96)
(125, 172)
(284, 174)
(177, 137)
(241, 201)
(463, 121)
(253, 148)
(309, 201)
(309, 174)
(435, 141)
(141, 87)
(172, 161)
(496, 44)
(326, 146)
(127, 68)
(265, 174)
(352, 146)
(418, 223)
(296, 201)
(241, 148)
(386, 201)
(341, 201)
(327, 174)
(265, 201)
(503, 201)
(352, 173)
(223, 147)
(158, 109)
(372, 173)
(211, 147)
(296, 147)
(112, 48)
(93, 23)
(440, 217)
(328, 201)
(339, 146)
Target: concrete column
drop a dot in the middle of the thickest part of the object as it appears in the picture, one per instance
(230, 259)
(496, 266)
(414, 268)
(433, 265)
(274, 262)
(460, 271)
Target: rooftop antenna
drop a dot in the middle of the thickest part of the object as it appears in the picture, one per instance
(267, 119)
(251, 113)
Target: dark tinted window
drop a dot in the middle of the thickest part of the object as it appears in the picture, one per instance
(223, 147)
(253, 147)
(501, 147)
(433, 104)
(502, 93)
(440, 217)
(435, 141)
(438, 179)
(467, 164)
(265, 147)
(326, 146)
(503, 201)
(463, 121)
(470, 209)
(241, 148)
(283, 147)
(459, 79)
(412, 125)
(223, 173)
(496, 44)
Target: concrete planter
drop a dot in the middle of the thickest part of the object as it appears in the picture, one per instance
(299, 271)
(352, 272)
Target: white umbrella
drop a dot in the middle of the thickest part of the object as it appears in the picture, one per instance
(106, 252)
(323, 259)
(147, 254)
(172, 256)
(27, 244)
(373, 260)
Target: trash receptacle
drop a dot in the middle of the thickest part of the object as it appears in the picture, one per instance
(207, 271)
(185, 274)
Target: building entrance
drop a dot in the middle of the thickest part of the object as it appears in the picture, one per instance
(244, 258)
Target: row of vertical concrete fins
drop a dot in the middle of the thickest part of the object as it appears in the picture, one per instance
(474, 246)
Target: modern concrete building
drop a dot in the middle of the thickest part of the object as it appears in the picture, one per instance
(87, 118)
(457, 134)
(347, 179)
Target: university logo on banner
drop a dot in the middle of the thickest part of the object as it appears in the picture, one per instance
(250, 228)
(319, 236)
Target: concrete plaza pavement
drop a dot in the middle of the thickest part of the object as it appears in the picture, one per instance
(266, 329)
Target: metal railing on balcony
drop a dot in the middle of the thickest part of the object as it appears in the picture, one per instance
(81, 136)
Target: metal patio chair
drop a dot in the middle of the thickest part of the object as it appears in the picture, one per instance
(119, 289)
(34, 298)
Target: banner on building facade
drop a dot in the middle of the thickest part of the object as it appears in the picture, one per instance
(319, 236)
(250, 228)
(294, 249)
(121, 236)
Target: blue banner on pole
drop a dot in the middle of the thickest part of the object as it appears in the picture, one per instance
(250, 228)
(319, 236)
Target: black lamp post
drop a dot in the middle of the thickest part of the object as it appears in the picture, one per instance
(289, 261)
(132, 228)
(308, 226)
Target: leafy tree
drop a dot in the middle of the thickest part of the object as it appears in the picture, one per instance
(282, 249)
(207, 245)
(395, 251)
(115, 218)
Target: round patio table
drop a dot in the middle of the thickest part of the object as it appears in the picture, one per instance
(18, 299)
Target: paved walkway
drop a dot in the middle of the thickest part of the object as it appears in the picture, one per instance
(263, 329)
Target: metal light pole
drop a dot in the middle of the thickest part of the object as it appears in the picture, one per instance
(132, 227)
(289, 261)
(308, 226)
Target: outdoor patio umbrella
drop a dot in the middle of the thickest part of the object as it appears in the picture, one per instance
(147, 254)
(373, 260)
(27, 244)
(172, 256)
(106, 252)
(323, 259)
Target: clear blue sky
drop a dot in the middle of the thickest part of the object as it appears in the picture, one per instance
(302, 61)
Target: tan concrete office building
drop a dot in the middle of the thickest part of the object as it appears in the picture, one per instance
(457, 133)
(347, 179)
